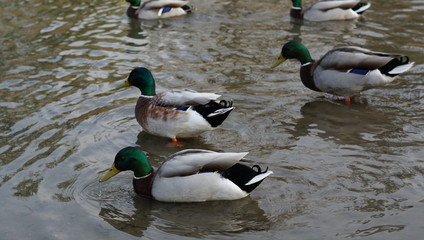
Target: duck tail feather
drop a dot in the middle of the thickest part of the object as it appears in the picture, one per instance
(261, 175)
(215, 113)
(361, 7)
(187, 8)
(396, 66)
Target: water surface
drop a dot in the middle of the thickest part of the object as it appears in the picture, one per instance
(340, 171)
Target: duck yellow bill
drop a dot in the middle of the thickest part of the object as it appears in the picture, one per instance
(110, 173)
(121, 2)
(279, 61)
(124, 84)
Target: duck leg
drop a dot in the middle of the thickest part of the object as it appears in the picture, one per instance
(347, 100)
(176, 143)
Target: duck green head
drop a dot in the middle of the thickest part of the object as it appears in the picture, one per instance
(294, 50)
(134, 3)
(129, 159)
(297, 3)
(143, 79)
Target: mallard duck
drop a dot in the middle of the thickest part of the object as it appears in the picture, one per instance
(191, 175)
(329, 10)
(345, 71)
(175, 113)
(156, 9)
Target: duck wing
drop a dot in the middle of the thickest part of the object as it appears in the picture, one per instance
(193, 161)
(327, 5)
(183, 97)
(156, 4)
(347, 58)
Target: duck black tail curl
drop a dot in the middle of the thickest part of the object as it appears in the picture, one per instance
(242, 175)
(258, 169)
(392, 64)
(215, 113)
(361, 7)
(225, 103)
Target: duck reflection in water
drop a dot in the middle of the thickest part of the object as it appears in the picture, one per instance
(139, 217)
(347, 124)
(155, 145)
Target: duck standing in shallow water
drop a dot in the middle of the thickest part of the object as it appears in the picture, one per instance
(175, 113)
(156, 9)
(192, 175)
(345, 71)
(329, 10)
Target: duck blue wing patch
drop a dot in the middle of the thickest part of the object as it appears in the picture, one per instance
(359, 71)
(182, 108)
(166, 9)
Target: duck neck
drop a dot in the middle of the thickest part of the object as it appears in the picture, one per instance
(297, 4)
(303, 55)
(307, 77)
(296, 13)
(148, 88)
(148, 92)
(143, 185)
(147, 85)
(132, 12)
(134, 3)
(142, 169)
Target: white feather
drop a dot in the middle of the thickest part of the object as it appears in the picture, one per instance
(331, 10)
(182, 97)
(153, 9)
(191, 161)
(402, 68)
(220, 111)
(259, 177)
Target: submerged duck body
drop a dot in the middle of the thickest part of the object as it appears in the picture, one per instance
(157, 9)
(329, 10)
(192, 175)
(345, 71)
(176, 113)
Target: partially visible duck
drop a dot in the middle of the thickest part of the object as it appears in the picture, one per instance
(156, 9)
(192, 175)
(329, 10)
(345, 71)
(175, 113)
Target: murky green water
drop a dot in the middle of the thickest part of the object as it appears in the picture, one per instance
(340, 171)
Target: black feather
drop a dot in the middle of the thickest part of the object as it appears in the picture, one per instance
(206, 109)
(393, 64)
(358, 6)
(187, 8)
(241, 174)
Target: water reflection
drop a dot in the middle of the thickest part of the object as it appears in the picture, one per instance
(341, 171)
(194, 220)
(159, 146)
(308, 31)
(135, 222)
(345, 124)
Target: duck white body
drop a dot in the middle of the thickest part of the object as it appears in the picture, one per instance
(202, 187)
(179, 178)
(159, 115)
(332, 73)
(158, 9)
(192, 175)
(332, 10)
(175, 113)
(345, 71)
